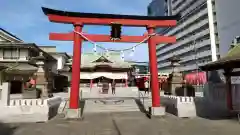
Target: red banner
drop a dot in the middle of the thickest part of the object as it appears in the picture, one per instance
(196, 78)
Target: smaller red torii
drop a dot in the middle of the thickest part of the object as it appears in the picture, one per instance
(81, 19)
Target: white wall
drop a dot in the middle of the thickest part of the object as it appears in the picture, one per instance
(60, 61)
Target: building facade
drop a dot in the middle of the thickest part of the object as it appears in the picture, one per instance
(98, 68)
(23, 62)
(196, 32)
(228, 23)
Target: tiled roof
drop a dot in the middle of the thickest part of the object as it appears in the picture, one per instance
(19, 67)
(88, 60)
(10, 35)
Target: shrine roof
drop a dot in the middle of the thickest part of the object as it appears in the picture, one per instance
(231, 60)
(112, 59)
(89, 60)
(48, 11)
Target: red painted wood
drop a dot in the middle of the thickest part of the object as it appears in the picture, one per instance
(74, 94)
(106, 38)
(103, 21)
(153, 70)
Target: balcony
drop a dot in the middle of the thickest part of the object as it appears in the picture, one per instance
(193, 28)
(166, 64)
(199, 56)
(187, 40)
(188, 21)
(192, 6)
(175, 3)
(182, 6)
(202, 23)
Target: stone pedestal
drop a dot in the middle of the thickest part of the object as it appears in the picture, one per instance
(175, 82)
(158, 111)
(73, 113)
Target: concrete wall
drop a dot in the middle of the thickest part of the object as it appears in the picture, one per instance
(61, 60)
(228, 22)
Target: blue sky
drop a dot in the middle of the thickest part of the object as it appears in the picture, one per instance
(25, 19)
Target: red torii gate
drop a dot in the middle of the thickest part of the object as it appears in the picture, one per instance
(80, 19)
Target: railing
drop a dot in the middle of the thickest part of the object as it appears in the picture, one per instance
(140, 95)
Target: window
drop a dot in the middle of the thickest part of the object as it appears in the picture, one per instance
(12, 53)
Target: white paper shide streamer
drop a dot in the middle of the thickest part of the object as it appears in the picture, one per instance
(122, 55)
(95, 48)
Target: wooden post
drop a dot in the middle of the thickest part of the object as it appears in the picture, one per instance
(229, 88)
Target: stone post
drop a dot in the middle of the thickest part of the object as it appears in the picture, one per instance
(5, 94)
(176, 78)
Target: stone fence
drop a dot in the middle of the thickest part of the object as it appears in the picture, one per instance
(212, 104)
(179, 106)
(30, 110)
(27, 102)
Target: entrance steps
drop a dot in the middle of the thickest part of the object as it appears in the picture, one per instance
(110, 105)
(121, 92)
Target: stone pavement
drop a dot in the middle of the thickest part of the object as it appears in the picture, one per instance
(130, 123)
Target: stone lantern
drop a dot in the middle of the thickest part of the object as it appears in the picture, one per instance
(175, 64)
(43, 79)
(175, 79)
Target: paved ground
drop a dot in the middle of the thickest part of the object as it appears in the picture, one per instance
(131, 123)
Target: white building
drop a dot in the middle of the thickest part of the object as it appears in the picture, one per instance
(196, 32)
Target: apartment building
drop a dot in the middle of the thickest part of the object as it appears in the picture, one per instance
(196, 32)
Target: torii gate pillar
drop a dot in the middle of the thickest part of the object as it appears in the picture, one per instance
(153, 69)
(77, 46)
